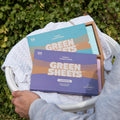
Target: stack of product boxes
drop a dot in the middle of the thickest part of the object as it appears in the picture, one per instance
(67, 60)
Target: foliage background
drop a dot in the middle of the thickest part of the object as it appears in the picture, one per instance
(20, 17)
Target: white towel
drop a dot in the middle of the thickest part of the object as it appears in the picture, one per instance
(20, 61)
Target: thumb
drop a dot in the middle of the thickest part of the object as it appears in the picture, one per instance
(16, 93)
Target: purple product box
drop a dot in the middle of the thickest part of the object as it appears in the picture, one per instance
(64, 72)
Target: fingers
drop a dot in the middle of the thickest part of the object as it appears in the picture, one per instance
(21, 114)
(17, 93)
(18, 109)
(15, 101)
(22, 101)
(20, 93)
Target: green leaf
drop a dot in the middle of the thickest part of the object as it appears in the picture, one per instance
(5, 39)
(1, 15)
(67, 9)
(4, 45)
(31, 0)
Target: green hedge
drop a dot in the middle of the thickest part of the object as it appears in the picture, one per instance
(20, 17)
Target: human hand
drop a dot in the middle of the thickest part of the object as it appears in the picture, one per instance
(22, 101)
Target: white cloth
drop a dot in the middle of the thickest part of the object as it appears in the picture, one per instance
(20, 61)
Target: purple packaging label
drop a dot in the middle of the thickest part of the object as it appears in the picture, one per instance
(64, 72)
(78, 86)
